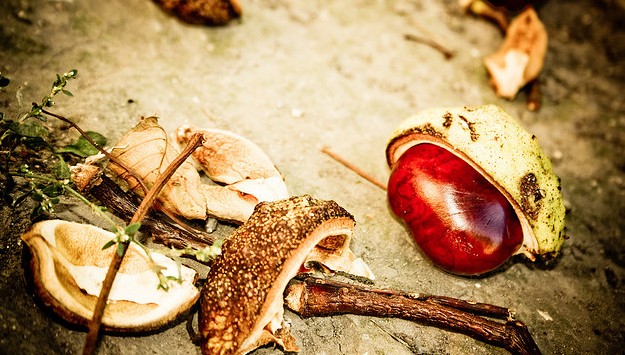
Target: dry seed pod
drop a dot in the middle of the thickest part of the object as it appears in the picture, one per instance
(203, 12)
(68, 266)
(242, 302)
(475, 188)
(520, 58)
(147, 151)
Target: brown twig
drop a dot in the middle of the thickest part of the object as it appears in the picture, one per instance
(310, 296)
(353, 168)
(447, 53)
(142, 210)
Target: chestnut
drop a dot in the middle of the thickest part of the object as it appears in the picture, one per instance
(474, 188)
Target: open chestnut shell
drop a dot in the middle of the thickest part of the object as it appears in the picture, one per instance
(474, 188)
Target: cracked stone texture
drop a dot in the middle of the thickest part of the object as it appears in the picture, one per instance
(297, 76)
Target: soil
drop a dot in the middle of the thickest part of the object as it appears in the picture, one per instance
(297, 76)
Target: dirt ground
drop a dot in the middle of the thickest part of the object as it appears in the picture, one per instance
(295, 76)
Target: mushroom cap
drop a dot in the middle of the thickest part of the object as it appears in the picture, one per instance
(228, 158)
(68, 266)
(241, 302)
(491, 141)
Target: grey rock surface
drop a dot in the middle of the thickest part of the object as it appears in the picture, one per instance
(295, 76)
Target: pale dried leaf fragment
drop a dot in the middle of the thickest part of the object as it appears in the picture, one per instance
(242, 302)
(68, 266)
(520, 59)
(147, 150)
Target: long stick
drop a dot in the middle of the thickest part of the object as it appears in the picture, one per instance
(311, 297)
(144, 207)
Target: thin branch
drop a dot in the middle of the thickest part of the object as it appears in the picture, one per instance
(311, 297)
(447, 53)
(353, 168)
(96, 321)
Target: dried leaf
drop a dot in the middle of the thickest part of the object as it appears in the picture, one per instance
(147, 151)
(520, 59)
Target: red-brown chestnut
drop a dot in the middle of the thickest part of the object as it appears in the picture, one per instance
(474, 188)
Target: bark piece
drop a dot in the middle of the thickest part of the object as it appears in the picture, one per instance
(313, 297)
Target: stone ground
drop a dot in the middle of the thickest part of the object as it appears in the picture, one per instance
(297, 76)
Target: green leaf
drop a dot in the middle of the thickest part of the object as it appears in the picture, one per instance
(68, 93)
(120, 249)
(133, 228)
(109, 244)
(53, 190)
(82, 147)
(61, 170)
(32, 129)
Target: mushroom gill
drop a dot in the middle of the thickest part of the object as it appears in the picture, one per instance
(242, 301)
(68, 266)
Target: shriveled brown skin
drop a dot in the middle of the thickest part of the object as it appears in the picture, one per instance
(203, 12)
(240, 280)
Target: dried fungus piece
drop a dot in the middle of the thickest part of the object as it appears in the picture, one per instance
(520, 59)
(242, 301)
(203, 12)
(147, 150)
(248, 173)
(68, 266)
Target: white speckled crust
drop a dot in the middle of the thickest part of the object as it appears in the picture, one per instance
(509, 156)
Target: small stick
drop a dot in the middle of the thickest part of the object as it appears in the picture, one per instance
(353, 168)
(448, 54)
(95, 323)
(310, 296)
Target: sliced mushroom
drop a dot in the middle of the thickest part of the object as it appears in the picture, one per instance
(68, 266)
(520, 58)
(241, 165)
(234, 160)
(242, 301)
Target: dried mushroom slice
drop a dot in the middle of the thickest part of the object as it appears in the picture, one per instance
(242, 301)
(68, 266)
